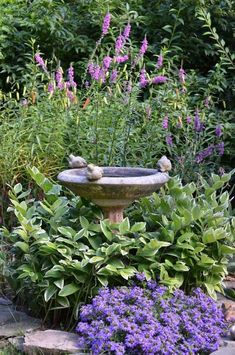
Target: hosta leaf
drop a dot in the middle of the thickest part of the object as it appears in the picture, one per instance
(68, 290)
(59, 283)
(124, 226)
(84, 222)
(63, 301)
(49, 293)
(23, 246)
(108, 234)
(103, 280)
(138, 227)
(226, 249)
(96, 259)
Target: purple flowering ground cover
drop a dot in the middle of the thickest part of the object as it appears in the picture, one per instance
(146, 320)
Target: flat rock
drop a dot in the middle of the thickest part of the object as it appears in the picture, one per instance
(5, 302)
(19, 327)
(51, 342)
(225, 351)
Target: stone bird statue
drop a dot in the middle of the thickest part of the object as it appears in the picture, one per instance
(164, 164)
(94, 172)
(77, 162)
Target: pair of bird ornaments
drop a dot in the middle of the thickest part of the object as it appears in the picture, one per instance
(95, 172)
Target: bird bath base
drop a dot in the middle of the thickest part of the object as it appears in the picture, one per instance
(117, 188)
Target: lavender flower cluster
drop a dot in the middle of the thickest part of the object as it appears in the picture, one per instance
(145, 320)
(100, 72)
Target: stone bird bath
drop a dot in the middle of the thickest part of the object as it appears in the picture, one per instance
(116, 189)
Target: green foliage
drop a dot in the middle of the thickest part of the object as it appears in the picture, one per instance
(198, 228)
(61, 252)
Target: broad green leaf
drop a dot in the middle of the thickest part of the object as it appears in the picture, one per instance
(59, 283)
(49, 293)
(103, 280)
(68, 290)
(63, 301)
(226, 249)
(108, 234)
(96, 259)
(17, 188)
(23, 246)
(67, 231)
(138, 227)
(124, 226)
(84, 222)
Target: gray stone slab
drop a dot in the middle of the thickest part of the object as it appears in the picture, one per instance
(19, 328)
(225, 351)
(5, 302)
(51, 342)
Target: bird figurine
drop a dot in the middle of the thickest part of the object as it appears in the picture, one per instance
(164, 164)
(76, 162)
(94, 172)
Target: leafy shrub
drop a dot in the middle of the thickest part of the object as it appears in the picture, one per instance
(62, 251)
(199, 229)
(134, 320)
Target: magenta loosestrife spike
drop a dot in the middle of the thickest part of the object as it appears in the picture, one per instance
(165, 122)
(169, 140)
(143, 80)
(113, 76)
(182, 75)
(50, 88)
(106, 24)
(188, 119)
(119, 44)
(40, 61)
(159, 62)
(107, 62)
(126, 32)
(121, 59)
(218, 131)
(144, 46)
(160, 79)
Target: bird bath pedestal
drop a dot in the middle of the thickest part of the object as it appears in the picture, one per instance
(117, 188)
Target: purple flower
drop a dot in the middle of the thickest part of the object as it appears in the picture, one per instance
(50, 88)
(121, 59)
(143, 80)
(71, 82)
(218, 131)
(169, 140)
(204, 154)
(159, 62)
(137, 320)
(198, 126)
(40, 61)
(126, 32)
(106, 24)
(221, 171)
(119, 44)
(220, 148)
(59, 79)
(182, 75)
(188, 119)
(113, 76)
(165, 122)
(106, 62)
(143, 47)
(160, 79)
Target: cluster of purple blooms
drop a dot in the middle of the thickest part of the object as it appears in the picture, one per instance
(59, 80)
(101, 72)
(146, 320)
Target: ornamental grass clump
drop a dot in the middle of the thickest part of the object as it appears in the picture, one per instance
(146, 320)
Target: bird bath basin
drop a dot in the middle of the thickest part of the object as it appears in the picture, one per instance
(116, 189)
